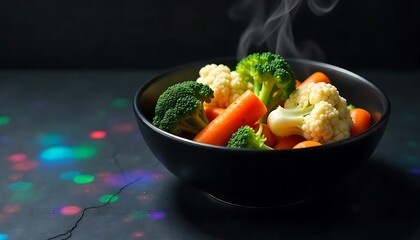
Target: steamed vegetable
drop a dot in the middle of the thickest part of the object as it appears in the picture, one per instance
(179, 109)
(288, 142)
(227, 85)
(212, 112)
(306, 144)
(271, 76)
(314, 93)
(315, 111)
(270, 138)
(245, 110)
(259, 105)
(315, 77)
(361, 120)
(318, 120)
(245, 137)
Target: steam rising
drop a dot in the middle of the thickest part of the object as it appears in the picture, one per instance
(275, 28)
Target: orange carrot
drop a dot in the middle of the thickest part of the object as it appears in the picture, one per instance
(306, 144)
(298, 83)
(361, 120)
(270, 137)
(376, 116)
(247, 109)
(316, 77)
(288, 142)
(212, 112)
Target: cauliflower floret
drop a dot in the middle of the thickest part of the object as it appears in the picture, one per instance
(226, 84)
(313, 93)
(315, 111)
(320, 124)
(238, 86)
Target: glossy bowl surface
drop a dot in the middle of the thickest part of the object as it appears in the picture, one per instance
(260, 178)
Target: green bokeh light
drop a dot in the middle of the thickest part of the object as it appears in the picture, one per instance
(410, 160)
(83, 179)
(4, 120)
(412, 144)
(22, 196)
(82, 152)
(108, 198)
(139, 214)
(20, 186)
(120, 102)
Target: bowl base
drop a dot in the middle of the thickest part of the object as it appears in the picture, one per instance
(262, 204)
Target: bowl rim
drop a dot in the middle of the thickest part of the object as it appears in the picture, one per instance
(386, 104)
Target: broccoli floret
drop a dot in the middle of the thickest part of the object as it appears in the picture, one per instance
(245, 137)
(179, 109)
(272, 77)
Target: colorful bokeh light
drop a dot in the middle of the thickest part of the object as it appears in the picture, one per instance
(25, 166)
(412, 144)
(11, 209)
(415, 171)
(65, 153)
(4, 120)
(409, 159)
(69, 175)
(156, 215)
(98, 135)
(70, 210)
(59, 153)
(4, 139)
(83, 179)
(137, 234)
(138, 214)
(120, 102)
(123, 128)
(4, 236)
(118, 181)
(17, 157)
(83, 152)
(50, 139)
(108, 198)
(20, 186)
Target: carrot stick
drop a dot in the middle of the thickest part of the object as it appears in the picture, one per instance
(212, 112)
(245, 110)
(316, 77)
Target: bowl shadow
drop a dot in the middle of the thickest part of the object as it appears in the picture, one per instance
(378, 202)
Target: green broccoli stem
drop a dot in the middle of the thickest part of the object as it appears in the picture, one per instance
(194, 124)
(259, 140)
(264, 93)
(257, 87)
(258, 144)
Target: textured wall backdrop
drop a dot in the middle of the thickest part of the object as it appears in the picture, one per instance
(163, 33)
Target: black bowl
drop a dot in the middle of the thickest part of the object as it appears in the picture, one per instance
(259, 178)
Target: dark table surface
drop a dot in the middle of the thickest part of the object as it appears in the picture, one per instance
(74, 165)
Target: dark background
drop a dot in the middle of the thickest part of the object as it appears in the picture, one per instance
(362, 34)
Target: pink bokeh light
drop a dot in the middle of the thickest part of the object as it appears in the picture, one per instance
(98, 134)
